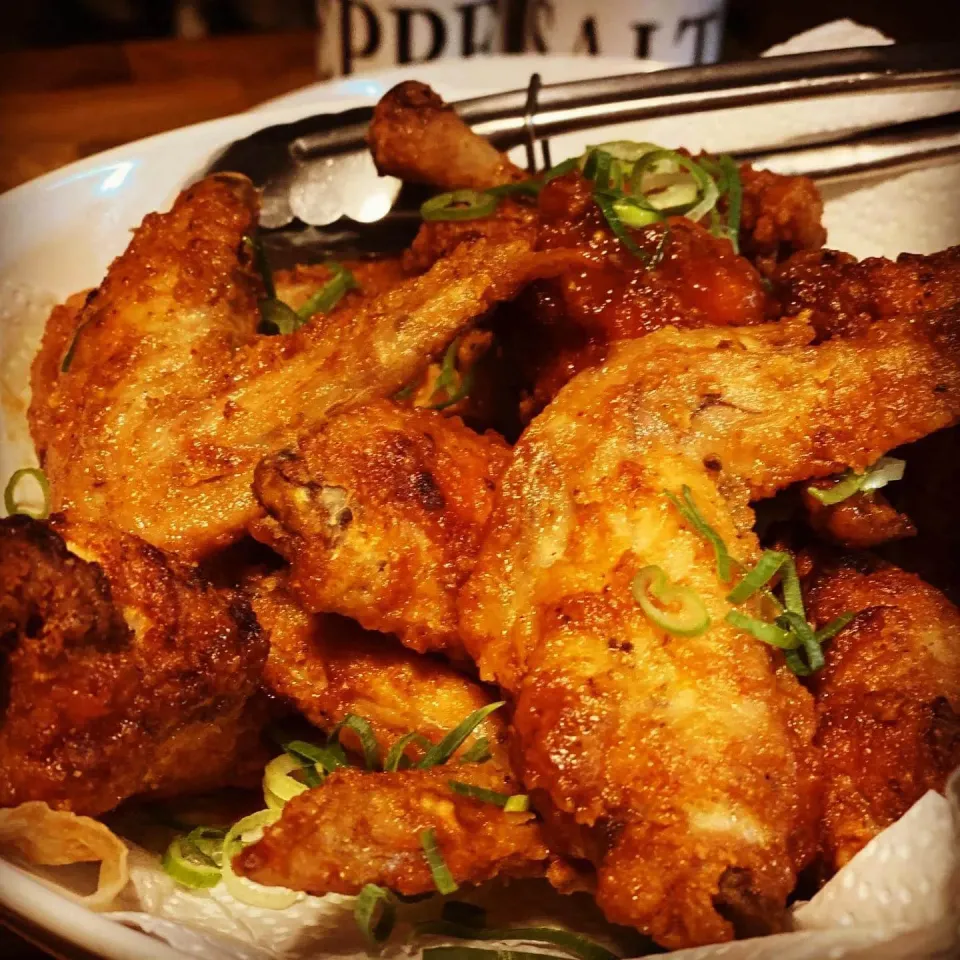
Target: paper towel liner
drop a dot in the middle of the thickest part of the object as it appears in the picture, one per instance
(899, 897)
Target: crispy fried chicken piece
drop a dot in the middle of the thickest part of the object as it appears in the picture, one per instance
(358, 828)
(888, 700)
(688, 757)
(847, 296)
(380, 513)
(417, 137)
(779, 216)
(122, 674)
(862, 521)
(329, 667)
(172, 398)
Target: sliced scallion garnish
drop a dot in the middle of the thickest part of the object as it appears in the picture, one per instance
(689, 511)
(478, 752)
(767, 632)
(375, 913)
(829, 630)
(447, 378)
(441, 752)
(571, 943)
(884, 471)
(397, 758)
(512, 803)
(368, 739)
(459, 205)
(278, 784)
(674, 608)
(442, 877)
(329, 758)
(733, 190)
(768, 566)
(330, 294)
(190, 867)
(14, 507)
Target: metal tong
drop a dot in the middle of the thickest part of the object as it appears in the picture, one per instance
(318, 170)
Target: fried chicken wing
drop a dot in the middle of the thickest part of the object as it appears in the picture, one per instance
(888, 700)
(414, 135)
(171, 397)
(380, 513)
(358, 828)
(122, 674)
(329, 667)
(688, 757)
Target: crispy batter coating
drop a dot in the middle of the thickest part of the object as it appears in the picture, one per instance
(122, 673)
(847, 297)
(888, 700)
(360, 828)
(172, 397)
(689, 757)
(380, 514)
(417, 137)
(779, 216)
(862, 521)
(328, 667)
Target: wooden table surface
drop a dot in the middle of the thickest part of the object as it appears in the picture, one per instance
(58, 105)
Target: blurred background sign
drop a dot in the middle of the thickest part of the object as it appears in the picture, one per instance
(673, 31)
(357, 35)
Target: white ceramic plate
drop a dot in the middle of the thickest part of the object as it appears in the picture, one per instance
(58, 234)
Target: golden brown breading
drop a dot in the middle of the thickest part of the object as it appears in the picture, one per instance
(380, 513)
(172, 398)
(123, 674)
(358, 828)
(328, 667)
(847, 296)
(888, 700)
(414, 135)
(779, 216)
(688, 756)
(862, 521)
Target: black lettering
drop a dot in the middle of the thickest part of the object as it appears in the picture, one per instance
(468, 25)
(438, 31)
(644, 32)
(588, 37)
(699, 25)
(371, 29)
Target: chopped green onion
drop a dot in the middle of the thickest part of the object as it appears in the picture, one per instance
(261, 264)
(479, 752)
(72, 349)
(13, 506)
(688, 510)
(189, 866)
(636, 213)
(831, 629)
(442, 877)
(368, 739)
(328, 758)
(330, 294)
(375, 913)
(884, 471)
(441, 752)
(512, 803)
(459, 205)
(767, 632)
(733, 190)
(529, 188)
(560, 169)
(571, 943)
(447, 378)
(799, 627)
(242, 889)
(278, 785)
(478, 953)
(396, 758)
(605, 202)
(671, 161)
(768, 566)
(209, 841)
(277, 317)
(404, 393)
(681, 611)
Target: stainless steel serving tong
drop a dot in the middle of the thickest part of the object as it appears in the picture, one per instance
(319, 180)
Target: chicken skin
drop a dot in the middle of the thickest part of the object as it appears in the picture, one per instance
(380, 514)
(171, 397)
(688, 757)
(359, 828)
(329, 667)
(888, 700)
(123, 674)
